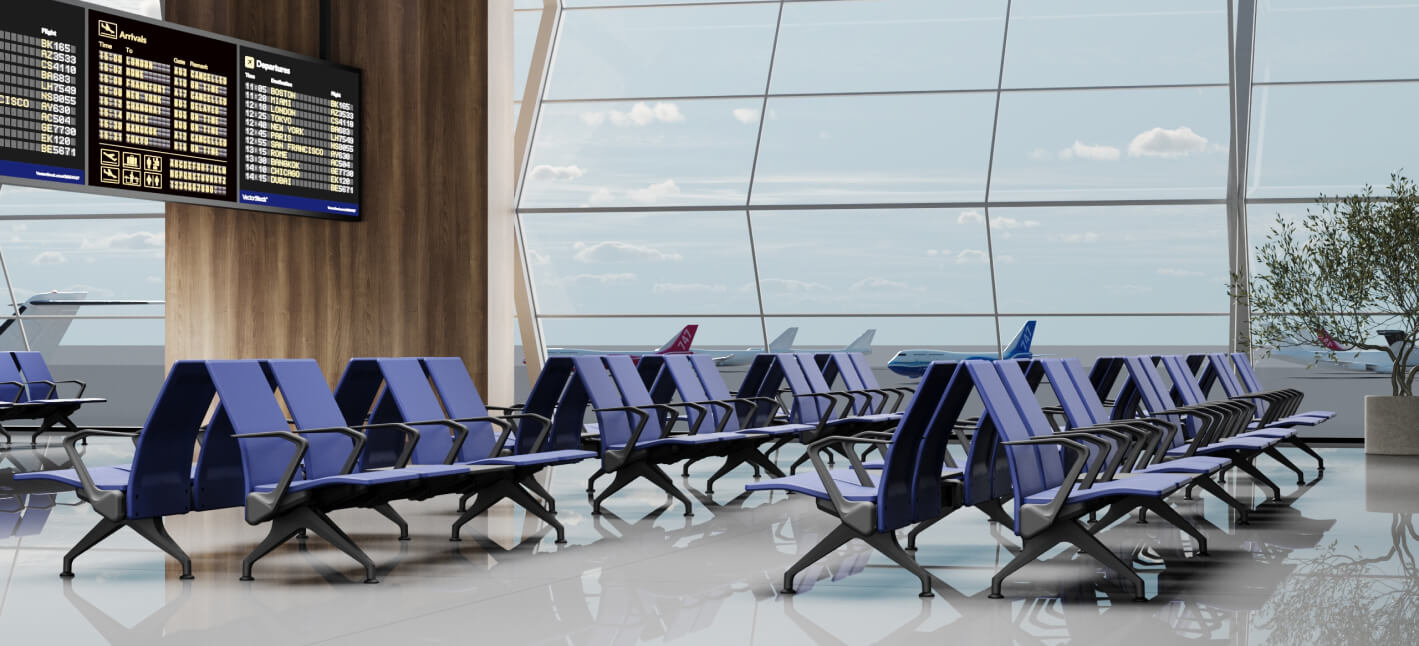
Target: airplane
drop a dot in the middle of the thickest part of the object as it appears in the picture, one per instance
(678, 344)
(783, 343)
(913, 363)
(1348, 358)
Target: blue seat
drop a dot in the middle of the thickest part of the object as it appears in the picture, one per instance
(1276, 410)
(1207, 429)
(286, 483)
(672, 375)
(1247, 373)
(869, 379)
(159, 481)
(476, 441)
(633, 439)
(908, 490)
(1051, 479)
(28, 391)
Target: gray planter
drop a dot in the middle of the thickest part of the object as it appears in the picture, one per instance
(1391, 425)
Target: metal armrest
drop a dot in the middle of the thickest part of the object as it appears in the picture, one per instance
(19, 390)
(544, 422)
(641, 418)
(695, 425)
(357, 436)
(411, 438)
(109, 504)
(54, 385)
(503, 424)
(1050, 509)
(284, 483)
(514, 407)
(460, 433)
(728, 408)
(853, 514)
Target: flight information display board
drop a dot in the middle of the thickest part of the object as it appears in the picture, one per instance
(126, 105)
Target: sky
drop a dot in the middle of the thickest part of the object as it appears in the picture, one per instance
(663, 106)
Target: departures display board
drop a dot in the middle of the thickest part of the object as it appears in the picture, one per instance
(113, 103)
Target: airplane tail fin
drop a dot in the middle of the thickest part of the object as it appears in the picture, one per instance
(680, 343)
(863, 343)
(1392, 337)
(784, 342)
(1325, 340)
(1020, 346)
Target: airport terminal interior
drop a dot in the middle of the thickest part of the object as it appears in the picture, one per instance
(709, 321)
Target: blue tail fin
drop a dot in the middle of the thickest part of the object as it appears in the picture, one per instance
(1020, 347)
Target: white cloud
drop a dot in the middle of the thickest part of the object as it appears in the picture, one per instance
(549, 172)
(1002, 222)
(594, 279)
(938, 252)
(536, 257)
(1081, 150)
(600, 195)
(687, 288)
(1162, 142)
(789, 285)
(878, 285)
(640, 114)
(1179, 273)
(970, 217)
(617, 251)
(1040, 154)
(746, 115)
(1076, 238)
(652, 194)
(1128, 290)
(968, 256)
(156, 280)
(138, 240)
(50, 258)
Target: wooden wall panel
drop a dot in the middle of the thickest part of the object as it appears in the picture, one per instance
(408, 280)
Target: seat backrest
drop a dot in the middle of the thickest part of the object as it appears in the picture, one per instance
(414, 398)
(1001, 422)
(1218, 365)
(1185, 390)
(602, 392)
(35, 370)
(907, 493)
(357, 393)
(558, 396)
(680, 372)
(311, 405)
(160, 479)
(1033, 416)
(842, 364)
(1244, 370)
(814, 376)
(804, 409)
(13, 389)
(864, 371)
(634, 393)
(1067, 392)
(461, 400)
(1153, 394)
(1074, 369)
(1102, 377)
(250, 407)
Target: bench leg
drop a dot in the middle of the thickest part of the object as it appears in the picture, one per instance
(507, 490)
(887, 544)
(532, 485)
(286, 525)
(102, 530)
(759, 459)
(660, 479)
(685, 470)
(153, 530)
(623, 477)
(1171, 515)
(1115, 512)
(916, 531)
(1032, 549)
(1215, 489)
(1295, 441)
(830, 543)
(1250, 469)
(521, 498)
(1286, 462)
(6, 434)
(591, 482)
(388, 512)
(730, 463)
(1082, 539)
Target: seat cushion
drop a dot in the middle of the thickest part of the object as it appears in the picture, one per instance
(810, 484)
(541, 458)
(106, 478)
(689, 440)
(1240, 443)
(781, 429)
(1279, 433)
(1147, 484)
(878, 465)
(364, 478)
(1196, 464)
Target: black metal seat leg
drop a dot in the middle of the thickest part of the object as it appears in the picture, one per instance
(1171, 515)
(388, 512)
(102, 530)
(830, 543)
(286, 525)
(1286, 462)
(1295, 441)
(660, 479)
(1250, 469)
(888, 545)
(532, 485)
(1243, 509)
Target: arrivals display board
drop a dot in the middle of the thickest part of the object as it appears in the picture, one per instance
(96, 100)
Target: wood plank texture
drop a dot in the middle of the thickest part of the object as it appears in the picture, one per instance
(411, 279)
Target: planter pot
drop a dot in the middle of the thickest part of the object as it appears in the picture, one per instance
(1391, 425)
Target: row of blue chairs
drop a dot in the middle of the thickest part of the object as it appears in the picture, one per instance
(1161, 437)
(29, 391)
(281, 444)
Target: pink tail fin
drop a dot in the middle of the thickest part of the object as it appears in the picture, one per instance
(1324, 338)
(682, 341)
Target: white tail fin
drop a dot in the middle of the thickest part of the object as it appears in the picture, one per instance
(863, 343)
(680, 343)
(784, 342)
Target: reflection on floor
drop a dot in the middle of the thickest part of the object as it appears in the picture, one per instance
(1334, 565)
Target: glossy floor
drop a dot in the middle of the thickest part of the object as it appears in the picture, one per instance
(1333, 564)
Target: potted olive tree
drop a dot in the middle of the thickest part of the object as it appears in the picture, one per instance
(1341, 275)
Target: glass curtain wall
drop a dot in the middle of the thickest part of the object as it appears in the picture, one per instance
(86, 273)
